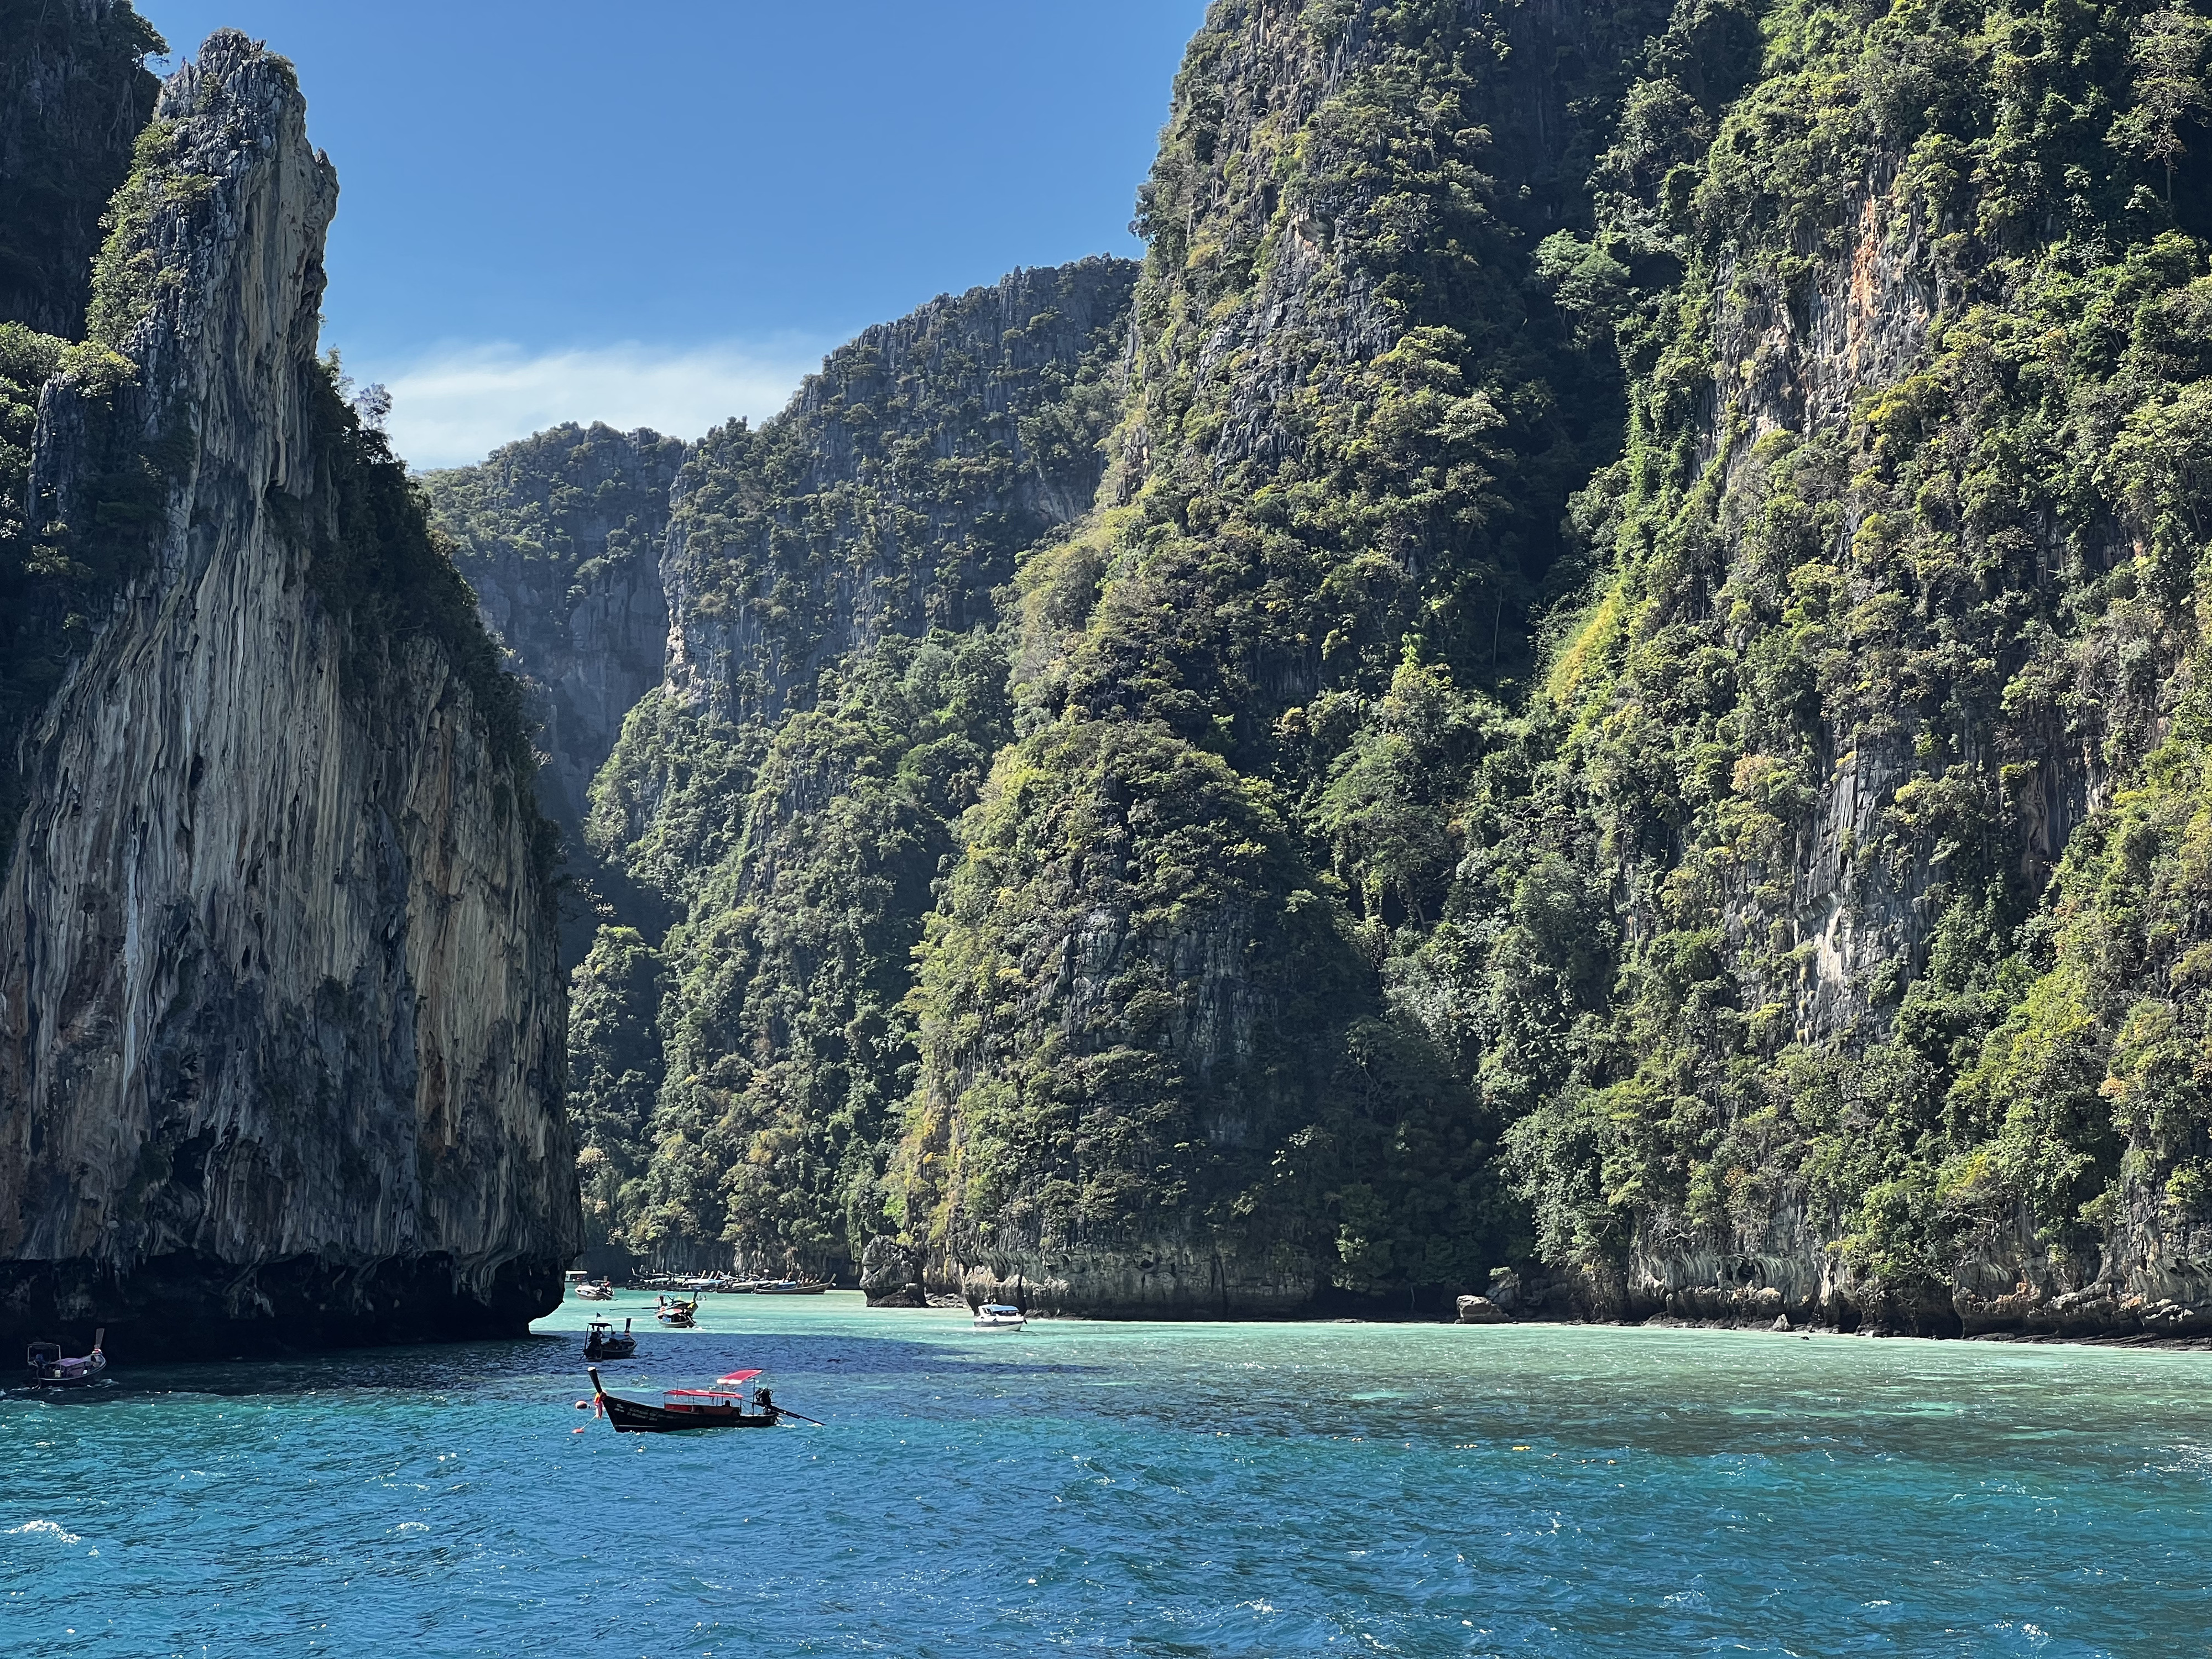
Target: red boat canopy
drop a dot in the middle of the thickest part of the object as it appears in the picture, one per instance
(738, 1377)
(701, 1394)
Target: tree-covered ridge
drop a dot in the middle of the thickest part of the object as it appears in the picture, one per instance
(838, 689)
(1906, 546)
(562, 497)
(893, 495)
(1155, 1006)
(560, 536)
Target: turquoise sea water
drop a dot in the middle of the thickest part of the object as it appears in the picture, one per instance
(1138, 1489)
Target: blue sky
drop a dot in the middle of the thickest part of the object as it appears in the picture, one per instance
(663, 213)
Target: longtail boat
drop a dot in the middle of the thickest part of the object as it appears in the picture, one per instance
(605, 1342)
(49, 1369)
(678, 1314)
(721, 1408)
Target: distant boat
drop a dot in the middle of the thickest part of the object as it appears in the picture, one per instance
(786, 1287)
(678, 1315)
(602, 1291)
(605, 1342)
(49, 1369)
(998, 1317)
(684, 1408)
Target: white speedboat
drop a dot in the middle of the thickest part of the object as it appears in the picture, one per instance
(602, 1291)
(998, 1317)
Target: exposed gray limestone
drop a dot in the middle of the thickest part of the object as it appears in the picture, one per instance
(281, 1023)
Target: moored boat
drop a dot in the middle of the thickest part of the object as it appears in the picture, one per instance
(998, 1317)
(49, 1368)
(788, 1288)
(723, 1406)
(605, 1342)
(602, 1291)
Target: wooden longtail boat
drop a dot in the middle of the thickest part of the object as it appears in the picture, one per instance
(49, 1369)
(684, 1408)
(605, 1342)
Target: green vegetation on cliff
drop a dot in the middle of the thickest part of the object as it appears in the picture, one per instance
(789, 795)
(1886, 628)
(1158, 1008)
(1626, 705)
(74, 90)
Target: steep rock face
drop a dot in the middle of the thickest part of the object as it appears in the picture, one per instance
(560, 535)
(894, 494)
(1163, 1072)
(74, 93)
(836, 686)
(1879, 747)
(281, 1022)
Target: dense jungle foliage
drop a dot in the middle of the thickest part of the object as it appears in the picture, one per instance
(789, 797)
(1252, 688)
(1630, 691)
(565, 499)
(1893, 656)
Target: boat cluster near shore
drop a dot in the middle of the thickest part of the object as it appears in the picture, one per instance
(729, 1403)
(724, 1285)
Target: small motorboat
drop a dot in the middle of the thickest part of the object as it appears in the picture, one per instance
(678, 1314)
(50, 1369)
(602, 1291)
(725, 1406)
(788, 1288)
(605, 1342)
(998, 1317)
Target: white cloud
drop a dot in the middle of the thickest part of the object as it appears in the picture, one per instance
(455, 405)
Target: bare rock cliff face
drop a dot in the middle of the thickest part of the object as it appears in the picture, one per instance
(281, 1022)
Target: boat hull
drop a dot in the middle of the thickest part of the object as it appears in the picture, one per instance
(637, 1417)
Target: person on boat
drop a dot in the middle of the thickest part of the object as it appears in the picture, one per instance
(766, 1402)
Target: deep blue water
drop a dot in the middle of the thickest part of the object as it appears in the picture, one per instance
(1139, 1489)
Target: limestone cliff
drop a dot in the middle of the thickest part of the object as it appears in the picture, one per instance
(1839, 956)
(281, 1021)
(1161, 1070)
(560, 535)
